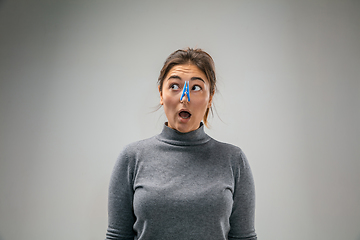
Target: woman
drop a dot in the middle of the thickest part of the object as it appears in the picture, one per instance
(182, 184)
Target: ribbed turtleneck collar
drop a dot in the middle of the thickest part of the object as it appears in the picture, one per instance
(175, 137)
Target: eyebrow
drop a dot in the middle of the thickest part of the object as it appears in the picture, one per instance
(193, 78)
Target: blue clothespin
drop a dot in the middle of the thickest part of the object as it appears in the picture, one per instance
(186, 91)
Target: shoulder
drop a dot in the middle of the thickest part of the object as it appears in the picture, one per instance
(231, 151)
(134, 148)
(131, 152)
(240, 166)
(227, 148)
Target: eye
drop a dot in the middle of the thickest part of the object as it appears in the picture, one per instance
(174, 86)
(196, 88)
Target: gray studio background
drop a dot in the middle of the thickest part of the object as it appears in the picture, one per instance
(78, 82)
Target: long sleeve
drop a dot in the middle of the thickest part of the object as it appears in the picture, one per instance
(120, 210)
(181, 186)
(243, 213)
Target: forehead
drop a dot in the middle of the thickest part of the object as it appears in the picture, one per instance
(186, 70)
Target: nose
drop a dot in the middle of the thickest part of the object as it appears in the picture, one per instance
(184, 98)
(185, 92)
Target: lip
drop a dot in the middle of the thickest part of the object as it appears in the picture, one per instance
(184, 110)
(183, 120)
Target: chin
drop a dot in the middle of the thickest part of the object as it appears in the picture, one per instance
(183, 127)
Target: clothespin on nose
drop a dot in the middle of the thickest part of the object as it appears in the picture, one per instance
(185, 91)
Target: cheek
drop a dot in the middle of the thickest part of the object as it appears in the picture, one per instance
(202, 102)
(170, 101)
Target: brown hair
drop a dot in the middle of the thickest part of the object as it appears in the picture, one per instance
(197, 57)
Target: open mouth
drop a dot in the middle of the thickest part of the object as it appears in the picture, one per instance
(184, 114)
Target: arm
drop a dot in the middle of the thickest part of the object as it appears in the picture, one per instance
(243, 213)
(120, 202)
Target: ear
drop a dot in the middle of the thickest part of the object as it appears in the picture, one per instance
(210, 100)
(161, 96)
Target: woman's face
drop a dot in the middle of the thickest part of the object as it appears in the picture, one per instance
(185, 116)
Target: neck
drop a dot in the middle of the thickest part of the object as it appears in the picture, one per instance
(174, 137)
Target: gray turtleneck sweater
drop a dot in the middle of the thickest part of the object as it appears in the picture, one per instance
(181, 186)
